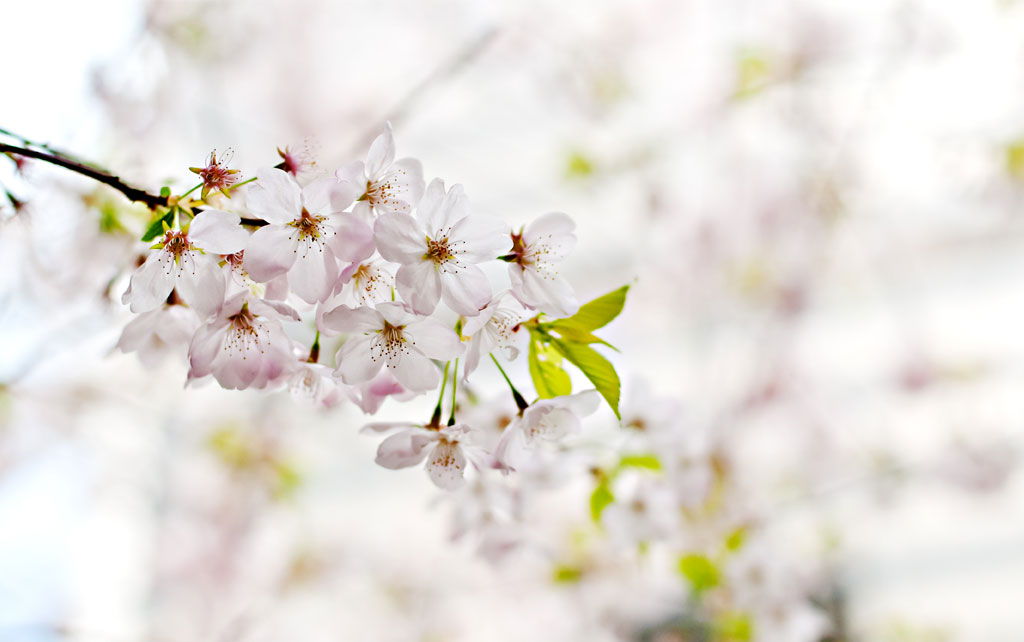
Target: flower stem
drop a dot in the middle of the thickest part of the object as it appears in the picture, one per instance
(191, 190)
(435, 419)
(520, 401)
(455, 379)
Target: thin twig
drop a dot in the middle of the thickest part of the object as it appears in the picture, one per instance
(133, 193)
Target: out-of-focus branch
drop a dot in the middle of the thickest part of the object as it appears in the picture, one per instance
(133, 193)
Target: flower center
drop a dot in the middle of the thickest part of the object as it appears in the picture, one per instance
(244, 332)
(389, 344)
(311, 231)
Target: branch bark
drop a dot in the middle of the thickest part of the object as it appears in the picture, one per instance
(133, 193)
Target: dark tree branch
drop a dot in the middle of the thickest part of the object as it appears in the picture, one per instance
(133, 193)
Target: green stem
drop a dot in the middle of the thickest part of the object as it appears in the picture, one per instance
(314, 351)
(520, 401)
(191, 190)
(435, 419)
(455, 380)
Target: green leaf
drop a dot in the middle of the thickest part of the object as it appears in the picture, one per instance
(572, 333)
(600, 499)
(597, 369)
(165, 191)
(734, 541)
(596, 314)
(649, 462)
(699, 571)
(549, 378)
(156, 228)
(735, 626)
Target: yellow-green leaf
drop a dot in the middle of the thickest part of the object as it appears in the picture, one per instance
(640, 461)
(600, 499)
(597, 313)
(597, 369)
(699, 571)
(156, 228)
(549, 378)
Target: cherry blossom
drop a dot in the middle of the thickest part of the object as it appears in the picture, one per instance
(215, 175)
(245, 345)
(496, 327)
(535, 251)
(545, 420)
(446, 463)
(155, 333)
(385, 185)
(185, 260)
(393, 336)
(439, 250)
(312, 383)
(307, 233)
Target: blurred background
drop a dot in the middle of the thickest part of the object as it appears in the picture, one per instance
(818, 206)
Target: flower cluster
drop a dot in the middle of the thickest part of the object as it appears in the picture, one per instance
(388, 267)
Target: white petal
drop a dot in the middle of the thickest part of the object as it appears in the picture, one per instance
(271, 251)
(419, 284)
(151, 282)
(583, 403)
(551, 225)
(549, 293)
(353, 238)
(206, 345)
(346, 319)
(355, 364)
(275, 197)
(316, 197)
(416, 372)
(466, 291)
(217, 231)
(395, 313)
(202, 287)
(432, 202)
(400, 238)
(139, 331)
(354, 173)
(406, 178)
(447, 465)
(485, 238)
(434, 339)
(313, 275)
(403, 450)
(452, 208)
(381, 155)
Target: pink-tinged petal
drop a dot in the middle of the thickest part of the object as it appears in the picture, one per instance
(381, 155)
(399, 238)
(406, 177)
(313, 275)
(203, 287)
(273, 309)
(550, 225)
(416, 372)
(434, 339)
(395, 313)
(217, 231)
(277, 288)
(344, 193)
(404, 449)
(485, 238)
(206, 345)
(139, 331)
(387, 427)
(473, 354)
(466, 291)
(452, 208)
(270, 253)
(370, 395)
(354, 173)
(583, 403)
(355, 363)
(431, 203)
(151, 282)
(353, 238)
(446, 465)
(364, 212)
(473, 325)
(550, 293)
(316, 197)
(346, 319)
(419, 284)
(275, 197)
